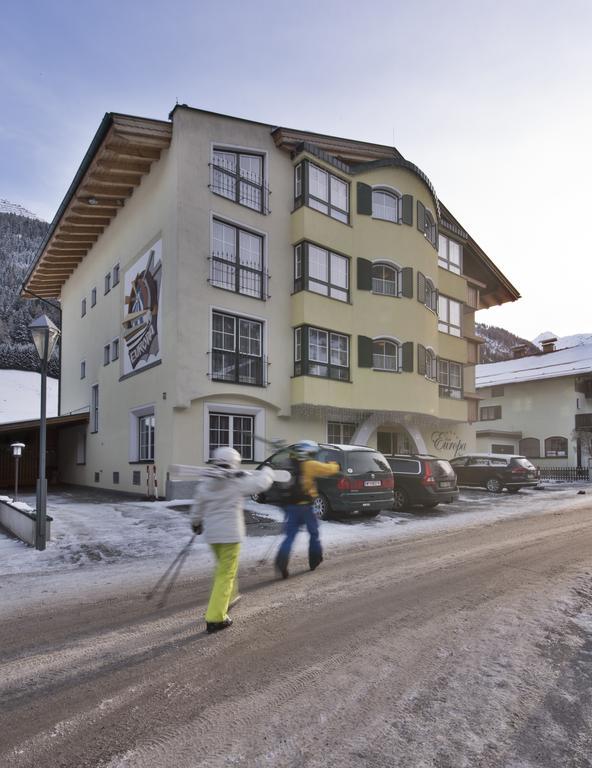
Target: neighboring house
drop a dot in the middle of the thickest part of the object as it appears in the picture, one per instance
(226, 282)
(539, 406)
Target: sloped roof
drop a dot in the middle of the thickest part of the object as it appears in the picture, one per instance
(574, 361)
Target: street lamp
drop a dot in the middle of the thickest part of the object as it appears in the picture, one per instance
(45, 335)
(17, 450)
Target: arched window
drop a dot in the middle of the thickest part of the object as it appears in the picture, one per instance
(385, 279)
(555, 446)
(431, 295)
(430, 358)
(385, 205)
(530, 447)
(385, 355)
(429, 227)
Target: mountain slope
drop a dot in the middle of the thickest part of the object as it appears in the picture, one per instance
(499, 342)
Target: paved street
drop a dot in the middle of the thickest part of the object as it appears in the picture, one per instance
(463, 648)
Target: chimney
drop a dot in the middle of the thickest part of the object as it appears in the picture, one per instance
(548, 345)
(518, 351)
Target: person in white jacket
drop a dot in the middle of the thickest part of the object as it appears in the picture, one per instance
(218, 511)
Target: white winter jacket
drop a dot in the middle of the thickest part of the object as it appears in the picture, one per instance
(218, 501)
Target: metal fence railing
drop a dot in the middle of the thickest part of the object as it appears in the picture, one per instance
(568, 474)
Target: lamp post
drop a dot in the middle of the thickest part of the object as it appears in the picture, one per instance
(45, 335)
(17, 450)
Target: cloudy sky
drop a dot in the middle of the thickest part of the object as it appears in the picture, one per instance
(490, 98)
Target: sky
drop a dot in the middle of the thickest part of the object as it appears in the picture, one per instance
(490, 99)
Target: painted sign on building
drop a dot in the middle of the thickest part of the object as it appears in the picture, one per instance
(448, 443)
(142, 320)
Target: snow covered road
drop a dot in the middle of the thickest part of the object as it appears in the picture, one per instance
(453, 645)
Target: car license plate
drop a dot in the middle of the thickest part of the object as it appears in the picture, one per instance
(445, 483)
(373, 483)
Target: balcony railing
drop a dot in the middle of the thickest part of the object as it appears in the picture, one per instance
(239, 369)
(240, 278)
(243, 187)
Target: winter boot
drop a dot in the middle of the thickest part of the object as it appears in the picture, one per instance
(281, 565)
(315, 559)
(216, 626)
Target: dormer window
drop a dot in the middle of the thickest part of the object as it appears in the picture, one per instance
(386, 205)
(321, 190)
(238, 176)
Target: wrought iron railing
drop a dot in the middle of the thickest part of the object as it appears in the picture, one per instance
(240, 278)
(244, 187)
(567, 474)
(238, 368)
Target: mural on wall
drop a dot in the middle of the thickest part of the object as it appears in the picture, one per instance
(142, 322)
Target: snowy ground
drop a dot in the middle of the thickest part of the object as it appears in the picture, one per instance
(97, 540)
(20, 396)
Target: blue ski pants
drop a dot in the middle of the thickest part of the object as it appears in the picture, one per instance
(298, 515)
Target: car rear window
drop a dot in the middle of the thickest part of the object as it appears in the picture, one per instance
(521, 462)
(366, 461)
(441, 468)
(405, 466)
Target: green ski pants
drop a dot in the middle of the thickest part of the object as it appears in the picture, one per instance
(225, 584)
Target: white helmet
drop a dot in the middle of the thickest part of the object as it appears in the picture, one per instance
(226, 457)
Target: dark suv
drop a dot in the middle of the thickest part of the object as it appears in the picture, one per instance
(424, 480)
(496, 471)
(364, 485)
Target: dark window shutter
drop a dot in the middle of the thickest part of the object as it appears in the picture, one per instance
(364, 268)
(407, 282)
(407, 356)
(420, 216)
(364, 352)
(364, 199)
(407, 210)
(421, 287)
(421, 359)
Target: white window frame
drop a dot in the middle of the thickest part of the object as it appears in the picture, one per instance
(398, 276)
(396, 195)
(444, 323)
(341, 425)
(444, 255)
(397, 343)
(258, 414)
(135, 414)
(245, 316)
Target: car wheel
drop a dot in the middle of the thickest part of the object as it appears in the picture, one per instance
(513, 490)
(321, 507)
(494, 485)
(400, 500)
(431, 505)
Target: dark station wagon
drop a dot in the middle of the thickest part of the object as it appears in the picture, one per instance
(422, 480)
(496, 471)
(363, 487)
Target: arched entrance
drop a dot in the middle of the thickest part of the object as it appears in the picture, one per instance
(394, 437)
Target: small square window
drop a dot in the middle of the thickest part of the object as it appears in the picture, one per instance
(116, 478)
(136, 477)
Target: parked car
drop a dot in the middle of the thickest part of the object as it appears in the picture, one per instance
(496, 471)
(364, 485)
(424, 480)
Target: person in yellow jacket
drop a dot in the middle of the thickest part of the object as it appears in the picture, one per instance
(297, 502)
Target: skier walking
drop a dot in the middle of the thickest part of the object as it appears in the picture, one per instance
(298, 501)
(218, 507)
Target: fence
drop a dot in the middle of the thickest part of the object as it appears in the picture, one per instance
(569, 474)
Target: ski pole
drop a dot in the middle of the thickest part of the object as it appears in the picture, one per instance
(162, 602)
(182, 554)
(270, 549)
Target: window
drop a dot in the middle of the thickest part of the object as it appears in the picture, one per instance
(340, 433)
(321, 271)
(449, 314)
(83, 369)
(93, 297)
(450, 379)
(237, 349)
(233, 430)
(500, 448)
(555, 447)
(115, 349)
(81, 448)
(490, 412)
(497, 391)
(94, 408)
(107, 282)
(318, 352)
(430, 227)
(450, 255)
(106, 354)
(530, 447)
(239, 177)
(386, 205)
(385, 279)
(321, 190)
(385, 355)
(391, 443)
(146, 430)
(426, 292)
(115, 275)
(430, 364)
(83, 308)
(237, 260)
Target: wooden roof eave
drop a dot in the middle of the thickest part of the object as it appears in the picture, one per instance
(120, 154)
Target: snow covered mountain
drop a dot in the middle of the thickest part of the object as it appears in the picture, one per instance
(7, 207)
